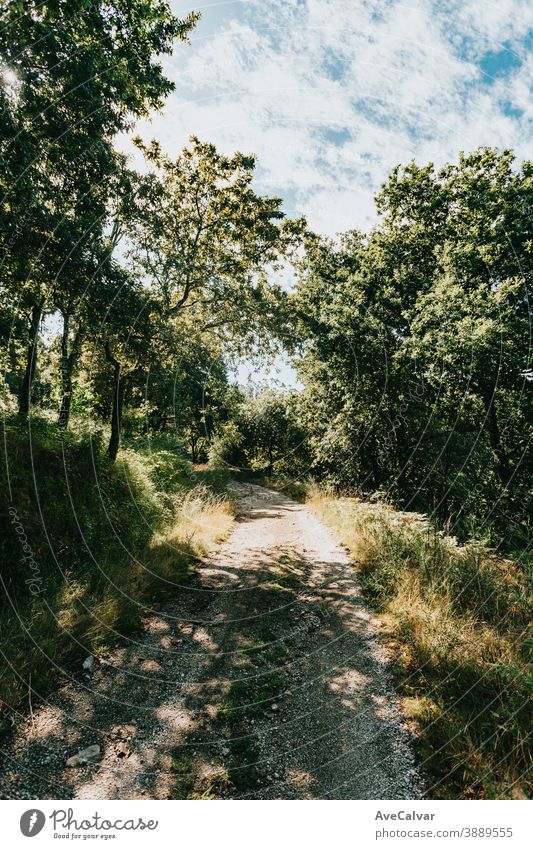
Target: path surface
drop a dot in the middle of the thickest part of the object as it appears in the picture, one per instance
(264, 679)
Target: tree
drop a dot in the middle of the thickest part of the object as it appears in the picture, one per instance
(204, 238)
(86, 276)
(263, 434)
(75, 73)
(185, 385)
(475, 318)
(417, 340)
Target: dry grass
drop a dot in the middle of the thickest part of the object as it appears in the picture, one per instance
(455, 619)
(108, 541)
(200, 521)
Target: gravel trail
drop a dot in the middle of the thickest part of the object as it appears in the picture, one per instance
(264, 679)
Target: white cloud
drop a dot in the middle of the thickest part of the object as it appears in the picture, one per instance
(491, 24)
(394, 80)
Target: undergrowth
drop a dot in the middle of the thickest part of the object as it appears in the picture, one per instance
(456, 619)
(88, 548)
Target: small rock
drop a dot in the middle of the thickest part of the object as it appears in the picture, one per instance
(88, 663)
(122, 751)
(85, 756)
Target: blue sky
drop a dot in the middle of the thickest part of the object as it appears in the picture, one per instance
(331, 94)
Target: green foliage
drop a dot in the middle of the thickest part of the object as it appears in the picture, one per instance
(74, 74)
(417, 346)
(203, 236)
(263, 435)
(183, 768)
(87, 546)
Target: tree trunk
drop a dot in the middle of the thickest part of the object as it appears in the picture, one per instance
(493, 430)
(377, 471)
(68, 364)
(66, 400)
(118, 403)
(31, 359)
(194, 455)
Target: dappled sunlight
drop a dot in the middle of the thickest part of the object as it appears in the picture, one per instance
(264, 695)
(150, 665)
(301, 780)
(202, 636)
(348, 683)
(174, 719)
(45, 722)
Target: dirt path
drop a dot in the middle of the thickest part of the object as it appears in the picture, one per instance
(262, 680)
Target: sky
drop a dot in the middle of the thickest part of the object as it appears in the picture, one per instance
(331, 94)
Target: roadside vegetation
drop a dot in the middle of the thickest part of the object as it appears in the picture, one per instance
(131, 286)
(92, 548)
(456, 620)
(124, 295)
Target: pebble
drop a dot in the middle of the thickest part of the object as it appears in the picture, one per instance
(85, 756)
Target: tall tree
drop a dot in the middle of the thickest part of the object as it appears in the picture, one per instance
(120, 347)
(204, 238)
(418, 341)
(78, 73)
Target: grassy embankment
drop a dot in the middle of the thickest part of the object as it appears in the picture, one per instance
(88, 548)
(455, 619)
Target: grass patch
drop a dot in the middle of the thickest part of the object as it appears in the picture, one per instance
(288, 576)
(88, 547)
(456, 619)
(242, 767)
(214, 786)
(247, 700)
(250, 698)
(182, 766)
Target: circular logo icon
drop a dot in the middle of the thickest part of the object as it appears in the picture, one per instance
(32, 822)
